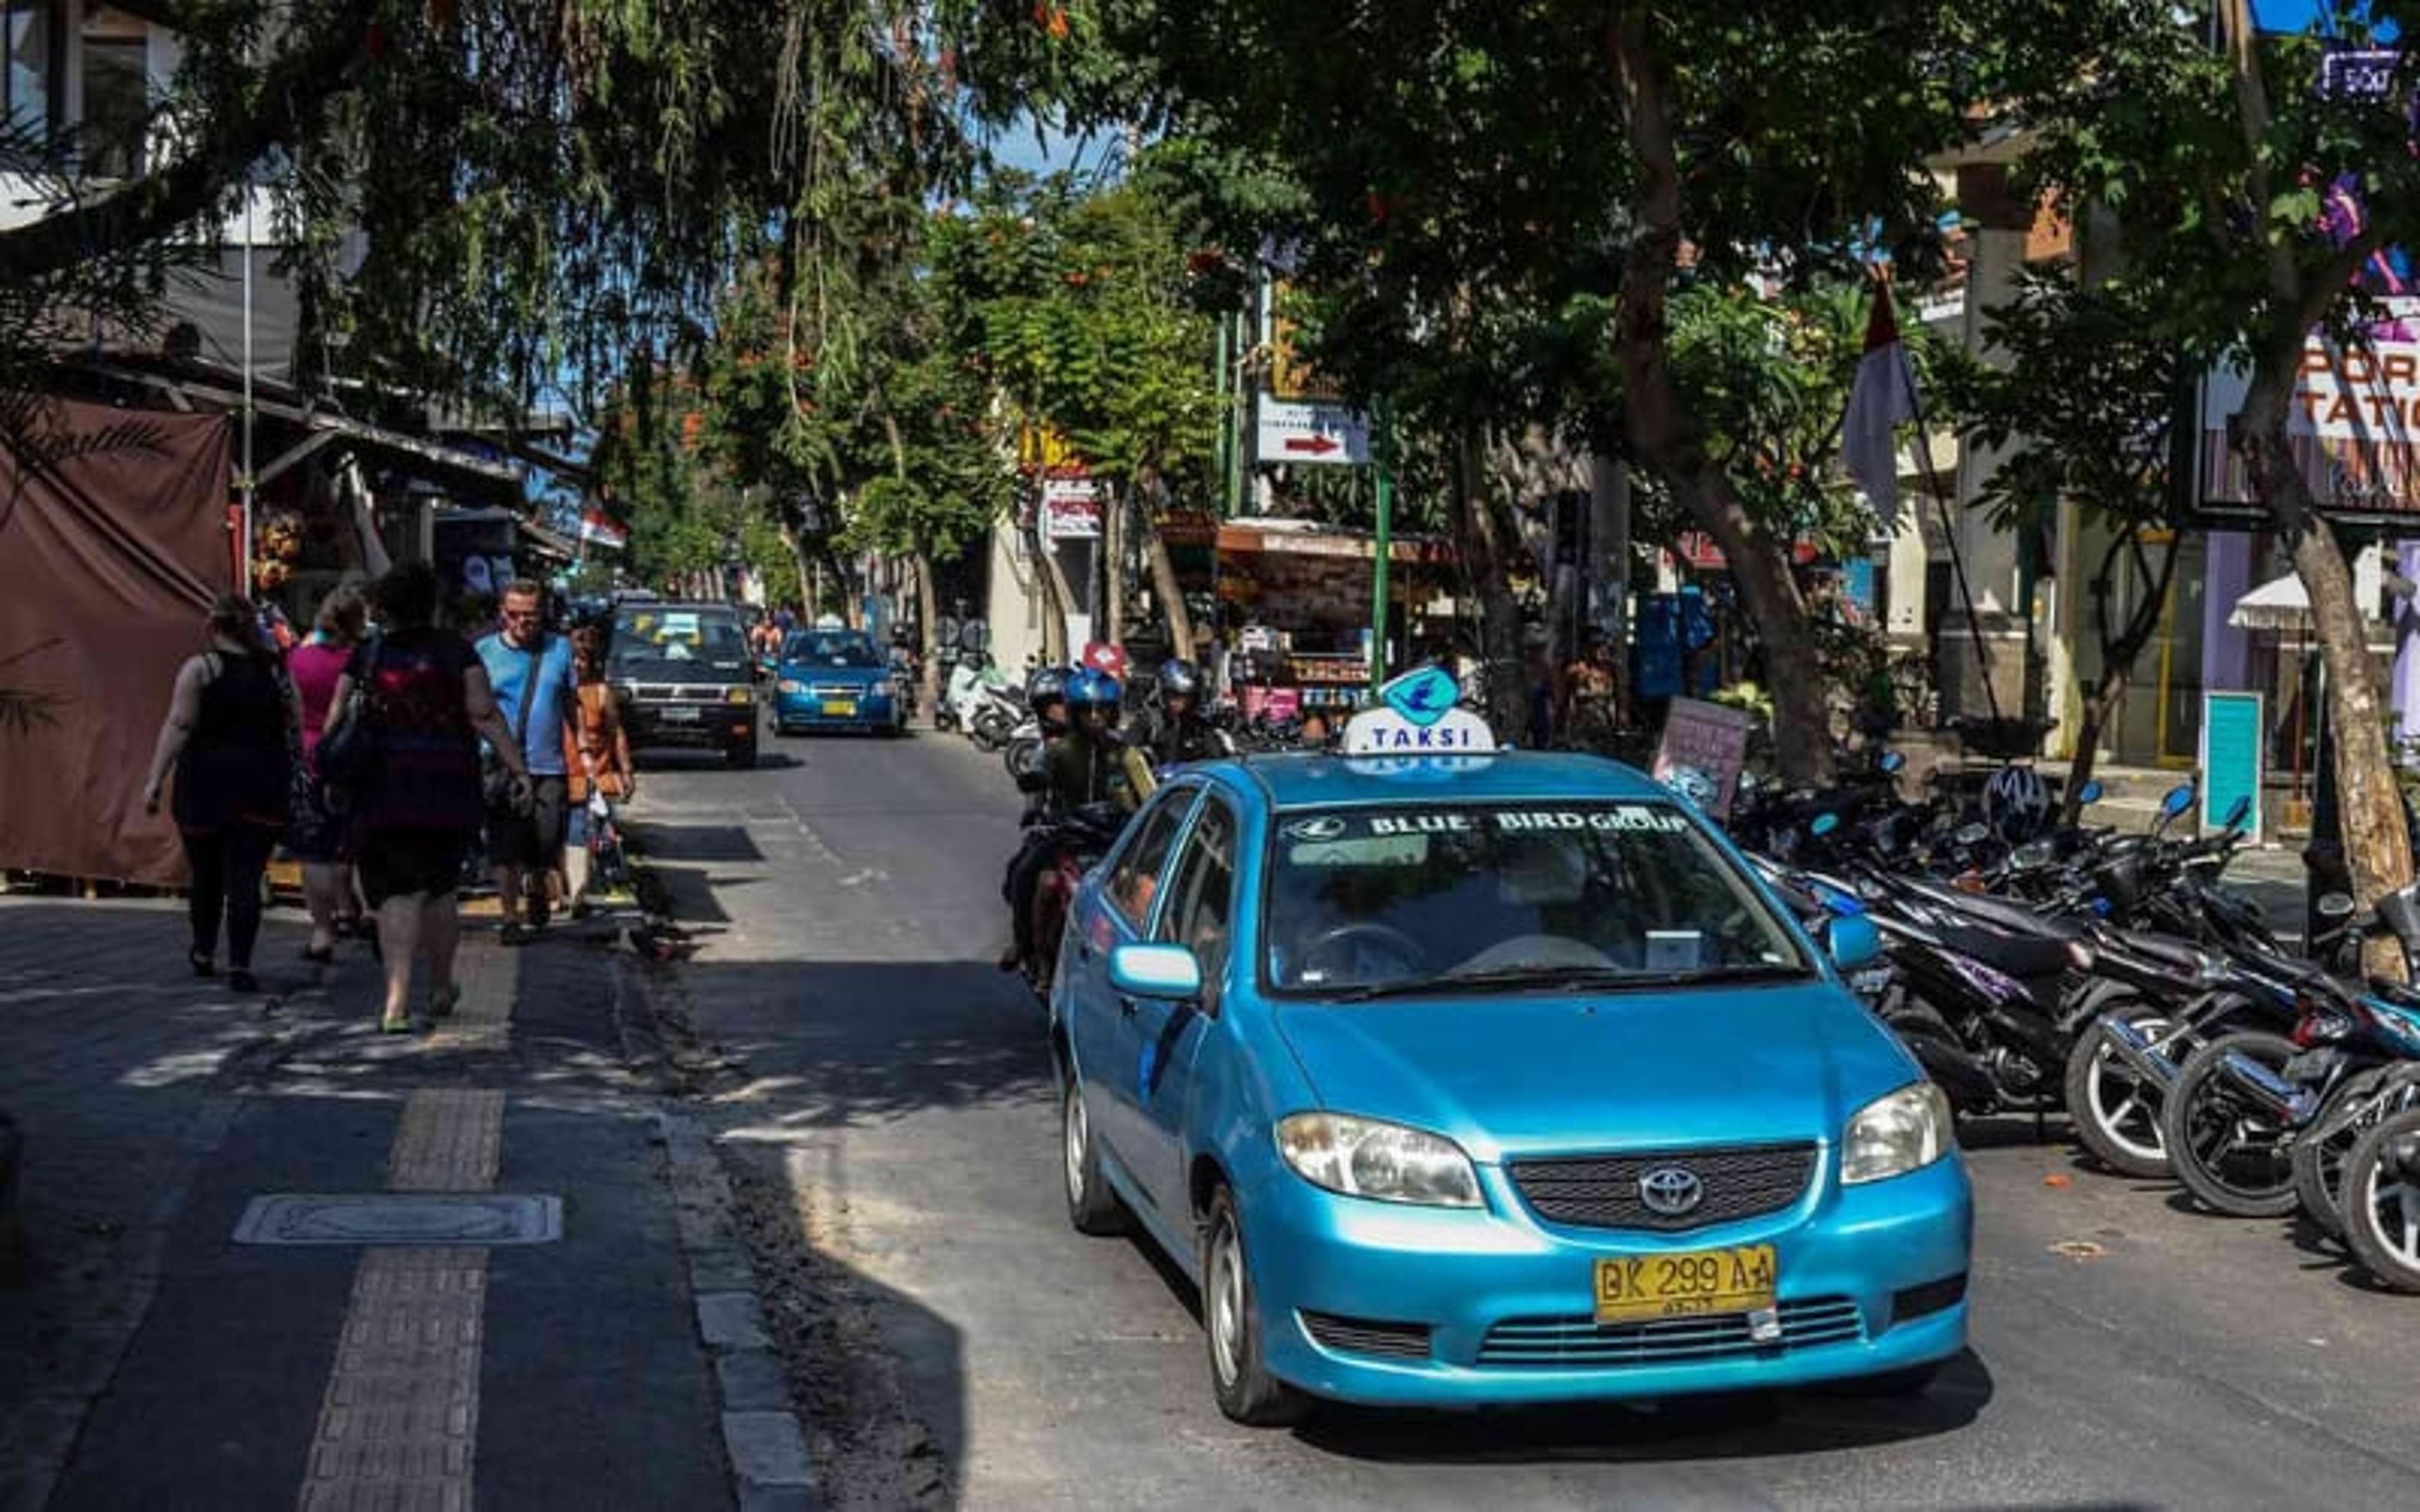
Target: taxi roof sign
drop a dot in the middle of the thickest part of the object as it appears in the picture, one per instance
(1418, 715)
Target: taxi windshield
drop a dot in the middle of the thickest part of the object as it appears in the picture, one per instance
(831, 648)
(1365, 903)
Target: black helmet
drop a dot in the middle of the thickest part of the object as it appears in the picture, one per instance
(1179, 678)
(1046, 686)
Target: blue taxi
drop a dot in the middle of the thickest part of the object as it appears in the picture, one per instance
(1494, 1079)
(834, 679)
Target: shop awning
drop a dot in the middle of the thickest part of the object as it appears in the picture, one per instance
(2280, 603)
(1311, 538)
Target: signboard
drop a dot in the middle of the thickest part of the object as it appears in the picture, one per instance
(2232, 745)
(2354, 421)
(1313, 431)
(1417, 714)
(1071, 509)
(1703, 749)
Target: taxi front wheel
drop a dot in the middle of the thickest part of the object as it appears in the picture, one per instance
(1230, 1317)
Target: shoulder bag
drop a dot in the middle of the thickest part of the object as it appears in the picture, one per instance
(349, 756)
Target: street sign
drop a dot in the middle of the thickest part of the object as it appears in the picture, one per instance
(1071, 509)
(1311, 431)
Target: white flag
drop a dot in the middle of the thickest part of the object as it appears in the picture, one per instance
(1881, 399)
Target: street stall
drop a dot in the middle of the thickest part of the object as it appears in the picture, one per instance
(1297, 595)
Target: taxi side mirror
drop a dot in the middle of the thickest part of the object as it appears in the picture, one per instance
(1854, 941)
(1167, 973)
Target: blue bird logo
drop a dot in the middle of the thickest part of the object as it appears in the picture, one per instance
(1422, 696)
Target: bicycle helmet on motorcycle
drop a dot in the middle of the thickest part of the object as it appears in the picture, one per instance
(2016, 800)
(1179, 678)
(1092, 689)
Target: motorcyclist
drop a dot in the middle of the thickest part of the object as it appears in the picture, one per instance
(1080, 767)
(1175, 730)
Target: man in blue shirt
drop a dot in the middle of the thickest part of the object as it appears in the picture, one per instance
(537, 693)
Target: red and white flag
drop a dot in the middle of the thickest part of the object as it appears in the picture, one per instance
(597, 528)
(1881, 399)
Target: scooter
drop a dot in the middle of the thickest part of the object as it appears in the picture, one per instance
(969, 676)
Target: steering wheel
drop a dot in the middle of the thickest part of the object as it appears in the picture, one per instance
(1387, 940)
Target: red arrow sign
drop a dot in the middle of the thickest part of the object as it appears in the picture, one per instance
(1315, 445)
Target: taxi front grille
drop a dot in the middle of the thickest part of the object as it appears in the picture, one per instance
(673, 693)
(1603, 1191)
(1368, 1336)
(1545, 1343)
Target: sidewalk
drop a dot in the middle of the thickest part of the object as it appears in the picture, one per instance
(514, 1315)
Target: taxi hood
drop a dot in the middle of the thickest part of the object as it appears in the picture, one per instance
(1509, 1075)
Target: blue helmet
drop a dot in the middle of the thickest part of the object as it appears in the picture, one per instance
(1090, 688)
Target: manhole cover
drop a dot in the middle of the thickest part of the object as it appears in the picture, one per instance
(401, 1218)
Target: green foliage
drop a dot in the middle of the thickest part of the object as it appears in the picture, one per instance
(1076, 306)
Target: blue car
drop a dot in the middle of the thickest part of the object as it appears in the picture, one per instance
(834, 680)
(1458, 1081)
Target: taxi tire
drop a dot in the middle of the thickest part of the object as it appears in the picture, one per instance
(1093, 1206)
(1250, 1396)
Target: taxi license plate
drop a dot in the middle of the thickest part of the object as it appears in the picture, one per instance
(1640, 1288)
(839, 708)
(677, 714)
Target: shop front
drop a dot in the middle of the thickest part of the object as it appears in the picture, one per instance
(1295, 600)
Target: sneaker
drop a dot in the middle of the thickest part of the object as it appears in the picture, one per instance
(538, 912)
(514, 933)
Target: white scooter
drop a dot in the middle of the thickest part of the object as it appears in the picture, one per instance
(969, 694)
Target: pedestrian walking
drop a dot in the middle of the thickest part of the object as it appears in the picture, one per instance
(316, 834)
(597, 757)
(429, 703)
(229, 728)
(531, 673)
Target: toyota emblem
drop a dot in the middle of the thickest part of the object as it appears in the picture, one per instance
(1671, 1191)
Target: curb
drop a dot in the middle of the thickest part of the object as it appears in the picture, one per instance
(772, 1469)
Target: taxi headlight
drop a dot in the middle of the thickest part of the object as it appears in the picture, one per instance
(1892, 1135)
(740, 695)
(1364, 1158)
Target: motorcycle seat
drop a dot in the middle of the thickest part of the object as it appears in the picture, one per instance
(2181, 956)
(2025, 958)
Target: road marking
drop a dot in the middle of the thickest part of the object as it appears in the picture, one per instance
(400, 1423)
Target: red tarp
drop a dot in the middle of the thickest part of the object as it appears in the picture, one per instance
(113, 543)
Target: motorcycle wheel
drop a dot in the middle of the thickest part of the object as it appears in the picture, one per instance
(986, 735)
(2358, 1106)
(2116, 1110)
(2381, 1211)
(2230, 1154)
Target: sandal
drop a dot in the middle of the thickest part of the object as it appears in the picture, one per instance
(201, 963)
(514, 933)
(241, 979)
(442, 1001)
(388, 1026)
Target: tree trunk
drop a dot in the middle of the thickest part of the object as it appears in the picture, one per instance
(1163, 571)
(1056, 598)
(2098, 707)
(802, 557)
(928, 613)
(1484, 538)
(2118, 653)
(1663, 433)
(1794, 674)
(2378, 849)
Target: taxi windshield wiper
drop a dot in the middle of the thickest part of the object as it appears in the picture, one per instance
(1540, 977)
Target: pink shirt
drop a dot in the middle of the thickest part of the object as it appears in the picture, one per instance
(316, 666)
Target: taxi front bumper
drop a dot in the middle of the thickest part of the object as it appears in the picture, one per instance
(1395, 1305)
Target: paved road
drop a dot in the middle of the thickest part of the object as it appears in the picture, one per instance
(887, 1108)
